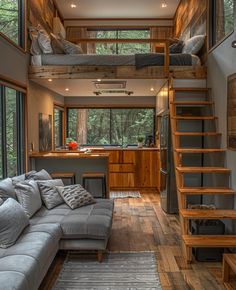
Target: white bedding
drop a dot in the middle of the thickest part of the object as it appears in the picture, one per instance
(90, 60)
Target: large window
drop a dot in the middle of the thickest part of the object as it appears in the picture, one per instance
(111, 126)
(58, 126)
(121, 48)
(221, 20)
(12, 20)
(12, 132)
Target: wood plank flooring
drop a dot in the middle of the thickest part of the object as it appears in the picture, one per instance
(141, 225)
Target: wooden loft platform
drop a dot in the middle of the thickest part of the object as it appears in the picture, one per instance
(116, 72)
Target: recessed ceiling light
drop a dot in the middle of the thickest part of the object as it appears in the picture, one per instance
(163, 5)
(73, 5)
(67, 89)
(50, 80)
(99, 80)
(152, 89)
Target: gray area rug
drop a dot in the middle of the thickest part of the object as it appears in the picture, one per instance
(118, 271)
(124, 194)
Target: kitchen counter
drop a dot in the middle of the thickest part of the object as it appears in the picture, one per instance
(68, 154)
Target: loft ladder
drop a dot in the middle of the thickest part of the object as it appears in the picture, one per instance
(181, 102)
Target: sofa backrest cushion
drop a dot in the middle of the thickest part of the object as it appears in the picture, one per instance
(28, 195)
(13, 220)
(7, 189)
(40, 175)
(49, 193)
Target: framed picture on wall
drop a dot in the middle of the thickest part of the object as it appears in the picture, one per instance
(231, 112)
(45, 132)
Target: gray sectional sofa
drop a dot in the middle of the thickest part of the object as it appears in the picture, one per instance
(24, 265)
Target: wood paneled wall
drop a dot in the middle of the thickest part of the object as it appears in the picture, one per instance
(190, 16)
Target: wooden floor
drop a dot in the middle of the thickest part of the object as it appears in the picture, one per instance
(141, 225)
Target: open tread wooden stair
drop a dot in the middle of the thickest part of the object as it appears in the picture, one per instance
(186, 215)
(205, 190)
(208, 214)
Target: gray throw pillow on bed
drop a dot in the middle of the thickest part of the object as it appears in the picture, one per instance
(7, 189)
(49, 192)
(1, 201)
(40, 175)
(28, 195)
(44, 41)
(13, 220)
(194, 44)
(75, 195)
(71, 48)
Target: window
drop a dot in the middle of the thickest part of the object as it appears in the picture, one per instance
(111, 126)
(12, 132)
(12, 23)
(221, 20)
(58, 126)
(121, 48)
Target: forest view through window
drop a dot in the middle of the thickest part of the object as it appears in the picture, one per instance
(113, 126)
(121, 48)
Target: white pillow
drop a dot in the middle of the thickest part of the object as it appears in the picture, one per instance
(28, 195)
(194, 44)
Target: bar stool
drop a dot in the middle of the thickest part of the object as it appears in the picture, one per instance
(96, 176)
(65, 175)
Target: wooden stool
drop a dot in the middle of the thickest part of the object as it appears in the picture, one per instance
(64, 175)
(98, 176)
(229, 264)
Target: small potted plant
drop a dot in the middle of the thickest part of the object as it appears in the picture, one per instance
(140, 141)
(71, 143)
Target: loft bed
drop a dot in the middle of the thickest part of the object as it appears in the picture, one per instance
(138, 66)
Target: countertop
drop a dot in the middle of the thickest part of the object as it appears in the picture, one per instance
(68, 154)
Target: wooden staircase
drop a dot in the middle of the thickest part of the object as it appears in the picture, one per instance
(181, 103)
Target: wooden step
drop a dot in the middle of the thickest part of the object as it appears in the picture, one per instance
(205, 190)
(195, 118)
(193, 103)
(198, 150)
(203, 169)
(190, 89)
(208, 214)
(197, 134)
(204, 241)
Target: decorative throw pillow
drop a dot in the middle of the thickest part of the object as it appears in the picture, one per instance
(177, 47)
(75, 195)
(44, 41)
(194, 44)
(28, 195)
(49, 193)
(13, 220)
(7, 189)
(71, 48)
(35, 48)
(57, 45)
(1, 201)
(40, 175)
(17, 179)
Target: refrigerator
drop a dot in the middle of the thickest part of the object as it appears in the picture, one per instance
(168, 192)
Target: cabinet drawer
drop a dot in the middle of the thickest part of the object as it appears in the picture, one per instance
(121, 180)
(119, 168)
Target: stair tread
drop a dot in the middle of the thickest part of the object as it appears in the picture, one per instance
(208, 214)
(192, 103)
(212, 241)
(194, 117)
(199, 150)
(206, 190)
(183, 169)
(197, 133)
(191, 89)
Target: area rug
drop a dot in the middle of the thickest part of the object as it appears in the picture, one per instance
(118, 271)
(124, 194)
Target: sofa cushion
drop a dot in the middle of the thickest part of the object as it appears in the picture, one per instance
(13, 220)
(40, 175)
(28, 196)
(7, 189)
(49, 193)
(75, 195)
(11, 280)
(17, 179)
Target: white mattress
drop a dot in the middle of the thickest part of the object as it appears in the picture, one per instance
(90, 60)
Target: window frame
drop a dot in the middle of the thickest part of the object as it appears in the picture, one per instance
(22, 30)
(110, 108)
(21, 97)
(62, 131)
(212, 44)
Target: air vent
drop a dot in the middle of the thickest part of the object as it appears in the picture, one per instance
(110, 85)
(109, 92)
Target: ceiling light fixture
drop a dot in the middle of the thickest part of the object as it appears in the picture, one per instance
(152, 89)
(163, 4)
(73, 4)
(67, 89)
(50, 80)
(99, 80)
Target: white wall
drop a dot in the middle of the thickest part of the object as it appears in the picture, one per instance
(221, 64)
